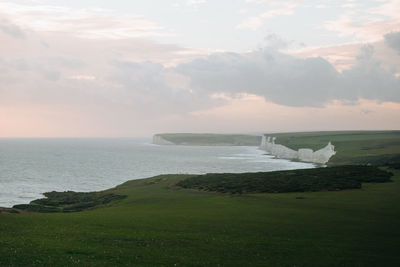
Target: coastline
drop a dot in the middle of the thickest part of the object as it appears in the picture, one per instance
(285, 181)
(173, 159)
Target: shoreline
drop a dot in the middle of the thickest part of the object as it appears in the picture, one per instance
(277, 182)
(12, 210)
(264, 162)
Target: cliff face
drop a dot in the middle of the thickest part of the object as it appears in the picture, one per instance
(321, 156)
(159, 140)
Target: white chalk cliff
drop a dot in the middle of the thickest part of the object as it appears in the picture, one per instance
(159, 140)
(321, 156)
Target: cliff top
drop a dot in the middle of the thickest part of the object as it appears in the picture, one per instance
(211, 139)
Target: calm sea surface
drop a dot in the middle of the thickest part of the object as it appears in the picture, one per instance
(29, 167)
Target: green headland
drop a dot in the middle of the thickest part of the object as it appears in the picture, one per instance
(346, 215)
(207, 139)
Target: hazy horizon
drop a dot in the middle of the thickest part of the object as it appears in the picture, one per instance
(149, 137)
(133, 69)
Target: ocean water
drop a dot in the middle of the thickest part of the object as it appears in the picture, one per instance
(30, 167)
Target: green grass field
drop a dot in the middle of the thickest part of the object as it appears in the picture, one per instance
(353, 147)
(159, 225)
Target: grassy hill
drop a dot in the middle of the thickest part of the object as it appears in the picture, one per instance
(212, 139)
(353, 147)
(157, 224)
(154, 222)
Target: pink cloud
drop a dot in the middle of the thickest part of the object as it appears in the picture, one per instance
(369, 25)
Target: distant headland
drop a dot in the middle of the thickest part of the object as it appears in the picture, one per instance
(321, 156)
(206, 139)
(326, 147)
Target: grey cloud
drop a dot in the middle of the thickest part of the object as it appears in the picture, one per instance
(146, 84)
(65, 62)
(393, 40)
(276, 76)
(22, 65)
(145, 76)
(291, 81)
(48, 67)
(368, 79)
(12, 29)
(135, 87)
(366, 111)
(45, 44)
(274, 41)
(47, 71)
(51, 75)
(366, 53)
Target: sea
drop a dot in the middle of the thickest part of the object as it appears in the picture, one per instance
(30, 167)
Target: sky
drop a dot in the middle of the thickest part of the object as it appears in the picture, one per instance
(97, 68)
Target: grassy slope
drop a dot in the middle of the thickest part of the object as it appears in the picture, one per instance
(156, 225)
(353, 147)
(212, 139)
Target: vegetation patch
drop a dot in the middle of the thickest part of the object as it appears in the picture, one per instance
(308, 180)
(8, 210)
(68, 201)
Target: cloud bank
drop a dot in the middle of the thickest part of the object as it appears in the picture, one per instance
(193, 84)
(393, 40)
(291, 81)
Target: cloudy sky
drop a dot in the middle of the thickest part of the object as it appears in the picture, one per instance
(119, 68)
